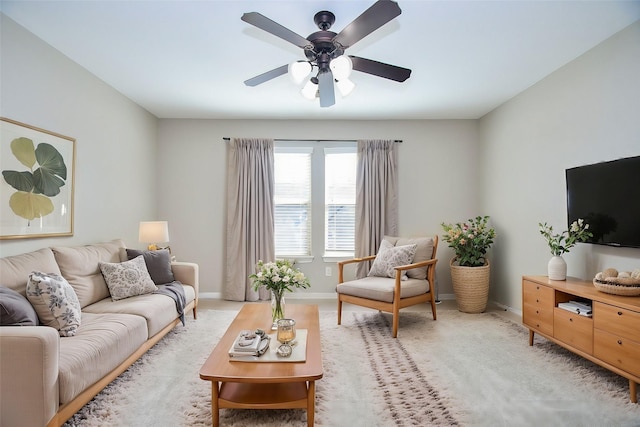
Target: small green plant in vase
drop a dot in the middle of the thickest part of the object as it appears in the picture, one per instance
(560, 243)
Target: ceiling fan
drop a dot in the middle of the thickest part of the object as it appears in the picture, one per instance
(325, 50)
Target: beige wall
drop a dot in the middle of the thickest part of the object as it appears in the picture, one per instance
(586, 112)
(115, 138)
(438, 172)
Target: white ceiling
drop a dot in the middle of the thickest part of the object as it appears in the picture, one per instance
(188, 59)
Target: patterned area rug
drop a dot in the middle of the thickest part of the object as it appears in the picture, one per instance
(462, 369)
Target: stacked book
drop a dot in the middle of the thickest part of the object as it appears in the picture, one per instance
(578, 307)
(249, 343)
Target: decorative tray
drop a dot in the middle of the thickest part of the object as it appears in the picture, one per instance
(610, 288)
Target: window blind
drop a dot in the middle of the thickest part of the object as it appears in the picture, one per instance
(340, 199)
(292, 201)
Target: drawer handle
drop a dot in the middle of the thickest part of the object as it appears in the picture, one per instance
(537, 312)
(619, 313)
(571, 319)
(620, 342)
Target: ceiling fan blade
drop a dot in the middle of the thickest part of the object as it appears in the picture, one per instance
(258, 20)
(327, 94)
(370, 20)
(380, 69)
(255, 81)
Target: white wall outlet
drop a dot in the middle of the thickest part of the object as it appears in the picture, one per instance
(327, 271)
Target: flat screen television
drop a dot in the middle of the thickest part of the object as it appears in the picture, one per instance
(607, 196)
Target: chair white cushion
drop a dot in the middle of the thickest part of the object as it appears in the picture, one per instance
(382, 288)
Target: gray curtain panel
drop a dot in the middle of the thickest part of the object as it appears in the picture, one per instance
(376, 197)
(250, 215)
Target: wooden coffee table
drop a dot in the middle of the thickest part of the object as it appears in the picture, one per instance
(265, 385)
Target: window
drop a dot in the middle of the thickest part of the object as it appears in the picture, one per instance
(340, 199)
(314, 200)
(292, 201)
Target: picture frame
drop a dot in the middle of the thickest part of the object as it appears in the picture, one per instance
(37, 183)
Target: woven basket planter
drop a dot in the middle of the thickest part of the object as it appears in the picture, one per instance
(471, 287)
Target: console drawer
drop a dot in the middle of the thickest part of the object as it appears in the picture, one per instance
(534, 293)
(618, 321)
(537, 307)
(620, 352)
(573, 329)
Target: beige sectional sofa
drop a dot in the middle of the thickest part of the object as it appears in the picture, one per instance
(46, 378)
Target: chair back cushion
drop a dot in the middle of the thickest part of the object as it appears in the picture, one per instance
(424, 252)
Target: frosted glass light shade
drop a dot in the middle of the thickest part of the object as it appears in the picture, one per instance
(299, 70)
(153, 232)
(310, 90)
(345, 86)
(341, 67)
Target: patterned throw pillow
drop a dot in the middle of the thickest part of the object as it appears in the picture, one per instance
(55, 301)
(390, 256)
(127, 279)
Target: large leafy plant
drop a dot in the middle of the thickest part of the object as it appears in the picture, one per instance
(470, 240)
(47, 173)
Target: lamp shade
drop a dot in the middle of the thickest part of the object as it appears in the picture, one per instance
(299, 70)
(310, 90)
(153, 232)
(345, 86)
(341, 67)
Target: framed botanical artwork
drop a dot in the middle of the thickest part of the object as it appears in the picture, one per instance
(36, 189)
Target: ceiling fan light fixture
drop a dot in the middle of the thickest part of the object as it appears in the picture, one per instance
(341, 67)
(345, 86)
(299, 70)
(310, 90)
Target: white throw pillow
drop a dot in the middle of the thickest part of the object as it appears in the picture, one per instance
(55, 302)
(127, 279)
(390, 256)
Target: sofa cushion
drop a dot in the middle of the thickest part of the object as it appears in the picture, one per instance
(390, 256)
(55, 302)
(102, 342)
(381, 288)
(127, 279)
(15, 309)
(424, 250)
(158, 310)
(79, 265)
(158, 264)
(15, 270)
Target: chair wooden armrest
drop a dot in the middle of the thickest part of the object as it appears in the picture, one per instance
(416, 264)
(341, 265)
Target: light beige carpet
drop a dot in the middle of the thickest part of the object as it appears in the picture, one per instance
(463, 369)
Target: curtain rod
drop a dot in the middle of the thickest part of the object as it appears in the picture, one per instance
(399, 141)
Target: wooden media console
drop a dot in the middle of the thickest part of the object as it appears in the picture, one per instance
(609, 338)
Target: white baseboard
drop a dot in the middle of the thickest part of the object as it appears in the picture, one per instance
(307, 295)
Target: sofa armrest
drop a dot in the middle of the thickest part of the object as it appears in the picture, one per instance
(29, 392)
(187, 273)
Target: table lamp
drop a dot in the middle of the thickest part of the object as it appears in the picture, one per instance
(154, 232)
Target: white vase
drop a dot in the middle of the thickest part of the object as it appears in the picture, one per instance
(557, 268)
